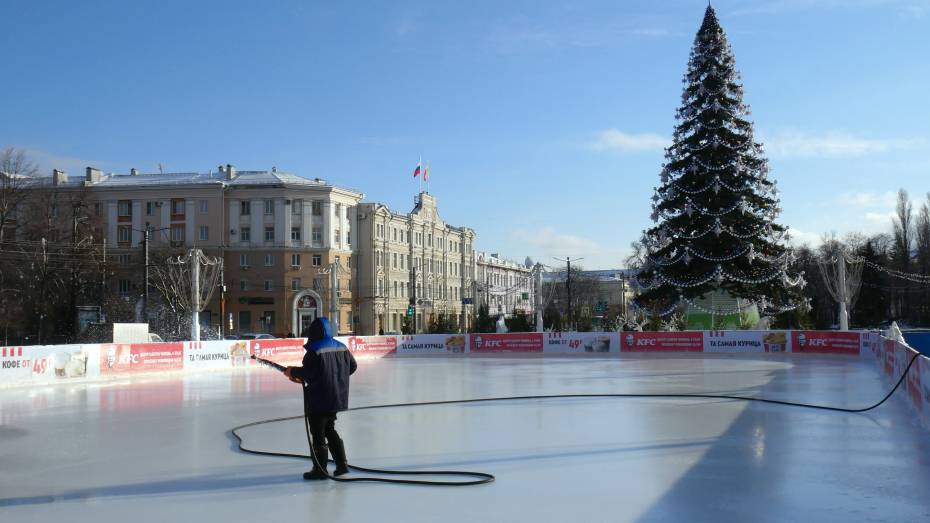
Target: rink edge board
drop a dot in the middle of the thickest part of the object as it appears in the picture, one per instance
(24, 365)
(892, 358)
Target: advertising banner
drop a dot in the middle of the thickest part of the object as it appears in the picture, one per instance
(120, 358)
(582, 342)
(282, 350)
(684, 341)
(889, 362)
(826, 342)
(924, 383)
(43, 363)
(745, 341)
(370, 345)
(431, 344)
(914, 392)
(218, 354)
(511, 342)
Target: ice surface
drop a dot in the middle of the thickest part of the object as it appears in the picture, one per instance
(157, 449)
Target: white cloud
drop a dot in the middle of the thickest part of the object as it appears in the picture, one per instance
(799, 237)
(46, 161)
(867, 199)
(616, 140)
(547, 243)
(833, 144)
(879, 218)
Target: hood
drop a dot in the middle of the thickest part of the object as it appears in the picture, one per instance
(320, 330)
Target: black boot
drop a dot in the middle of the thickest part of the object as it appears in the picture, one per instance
(339, 456)
(322, 457)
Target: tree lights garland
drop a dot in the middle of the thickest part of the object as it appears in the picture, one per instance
(714, 150)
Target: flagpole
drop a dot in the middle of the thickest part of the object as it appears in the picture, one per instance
(420, 176)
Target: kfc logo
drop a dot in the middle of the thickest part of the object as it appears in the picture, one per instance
(630, 340)
(802, 339)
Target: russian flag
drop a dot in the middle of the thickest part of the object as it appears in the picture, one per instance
(416, 172)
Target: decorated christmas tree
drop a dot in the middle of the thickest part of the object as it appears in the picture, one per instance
(715, 232)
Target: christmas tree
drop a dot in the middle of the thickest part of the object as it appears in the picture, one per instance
(715, 210)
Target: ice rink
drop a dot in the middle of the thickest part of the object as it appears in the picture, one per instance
(159, 448)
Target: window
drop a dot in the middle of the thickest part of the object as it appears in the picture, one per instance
(245, 321)
(97, 209)
(123, 234)
(316, 260)
(124, 207)
(394, 263)
(395, 289)
(295, 234)
(316, 208)
(269, 285)
(149, 208)
(295, 284)
(336, 236)
(245, 207)
(177, 233)
(204, 233)
(124, 259)
(177, 207)
(338, 211)
(243, 260)
(269, 260)
(317, 284)
(394, 233)
(269, 234)
(124, 286)
(245, 234)
(348, 237)
(243, 285)
(204, 206)
(268, 321)
(379, 230)
(295, 260)
(269, 207)
(297, 207)
(429, 240)
(317, 235)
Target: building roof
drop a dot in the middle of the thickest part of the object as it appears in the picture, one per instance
(241, 179)
(495, 260)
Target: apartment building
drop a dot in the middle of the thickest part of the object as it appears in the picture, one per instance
(286, 241)
(412, 260)
(505, 285)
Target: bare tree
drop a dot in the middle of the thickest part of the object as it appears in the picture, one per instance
(637, 257)
(17, 172)
(903, 224)
(903, 232)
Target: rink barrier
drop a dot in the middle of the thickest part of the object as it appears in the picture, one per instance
(892, 357)
(53, 363)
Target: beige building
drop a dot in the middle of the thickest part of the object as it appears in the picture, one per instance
(505, 285)
(281, 237)
(412, 259)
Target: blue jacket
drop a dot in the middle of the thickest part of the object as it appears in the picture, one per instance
(326, 369)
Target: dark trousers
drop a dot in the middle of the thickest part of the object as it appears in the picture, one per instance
(323, 427)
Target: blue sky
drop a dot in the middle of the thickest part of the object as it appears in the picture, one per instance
(544, 122)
